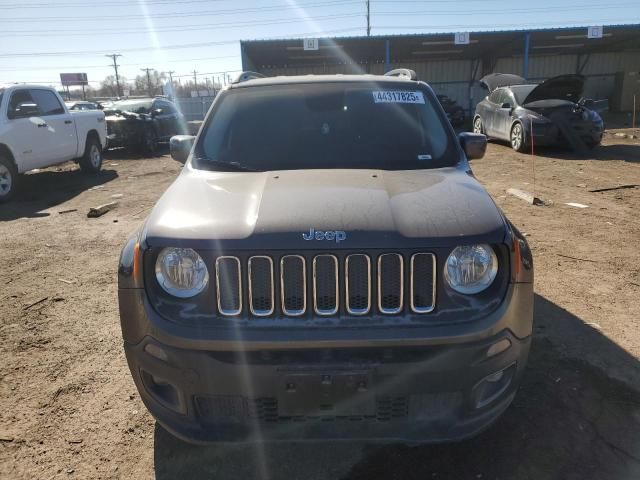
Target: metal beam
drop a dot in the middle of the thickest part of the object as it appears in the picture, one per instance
(387, 55)
(525, 60)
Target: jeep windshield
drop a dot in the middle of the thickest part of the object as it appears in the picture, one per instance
(326, 125)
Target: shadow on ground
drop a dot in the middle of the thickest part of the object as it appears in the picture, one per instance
(48, 188)
(569, 421)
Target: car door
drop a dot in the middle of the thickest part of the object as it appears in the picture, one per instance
(27, 137)
(163, 118)
(176, 121)
(502, 120)
(489, 115)
(59, 131)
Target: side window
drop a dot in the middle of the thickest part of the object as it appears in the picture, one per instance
(495, 96)
(48, 102)
(169, 108)
(508, 98)
(22, 105)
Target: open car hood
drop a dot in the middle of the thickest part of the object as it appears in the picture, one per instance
(563, 87)
(497, 80)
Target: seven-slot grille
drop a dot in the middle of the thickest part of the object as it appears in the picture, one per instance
(294, 285)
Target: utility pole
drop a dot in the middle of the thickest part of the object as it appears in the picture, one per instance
(195, 81)
(113, 56)
(148, 80)
(170, 73)
(368, 19)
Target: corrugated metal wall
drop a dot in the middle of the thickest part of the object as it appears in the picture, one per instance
(453, 77)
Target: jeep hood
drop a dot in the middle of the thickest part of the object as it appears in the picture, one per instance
(564, 87)
(273, 209)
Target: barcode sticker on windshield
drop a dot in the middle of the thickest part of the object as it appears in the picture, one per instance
(397, 96)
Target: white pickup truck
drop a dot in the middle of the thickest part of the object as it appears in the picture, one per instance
(37, 130)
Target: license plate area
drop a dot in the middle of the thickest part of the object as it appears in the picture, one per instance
(326, 394)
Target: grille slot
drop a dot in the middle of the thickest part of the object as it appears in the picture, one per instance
(423, 286)
(358, 284)
(293, 285)
(261, 288)
(325, 285)
(229, 285)
(390, 283)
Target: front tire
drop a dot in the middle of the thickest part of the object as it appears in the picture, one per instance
(517, 138)
(91, 161)
(8, 179)
(477, 125)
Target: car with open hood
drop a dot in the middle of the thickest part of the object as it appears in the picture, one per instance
(326, 266)
(142, 123)
(550, 113)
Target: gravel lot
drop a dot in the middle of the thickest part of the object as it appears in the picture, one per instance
(69, 409)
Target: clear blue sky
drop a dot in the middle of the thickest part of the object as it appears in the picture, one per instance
(41, 38)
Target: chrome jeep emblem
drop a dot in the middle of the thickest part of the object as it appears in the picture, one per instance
(331, 235)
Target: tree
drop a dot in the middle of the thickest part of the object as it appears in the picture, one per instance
(108, 86)
(151, 85)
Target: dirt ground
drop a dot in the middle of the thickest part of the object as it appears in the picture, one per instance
(69, 409)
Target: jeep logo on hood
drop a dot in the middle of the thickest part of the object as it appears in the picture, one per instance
(331, 235)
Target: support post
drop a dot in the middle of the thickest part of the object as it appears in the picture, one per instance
(525, 61)
(387, 55)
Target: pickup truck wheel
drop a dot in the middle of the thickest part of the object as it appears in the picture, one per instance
(8, 179)
(91, 162)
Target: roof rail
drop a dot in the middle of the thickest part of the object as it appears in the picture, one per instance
(248, 75)
(402, 72)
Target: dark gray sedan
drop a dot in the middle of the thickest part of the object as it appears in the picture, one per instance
(527, 114)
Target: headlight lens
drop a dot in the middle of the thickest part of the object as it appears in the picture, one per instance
(471, 268)
(181, 272)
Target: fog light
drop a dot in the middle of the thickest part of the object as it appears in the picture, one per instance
(498, 347)
(162, 391)
(156, 351)
(492, 386)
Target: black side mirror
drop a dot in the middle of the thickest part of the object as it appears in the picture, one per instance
(180, 146)
(506, 105)
(473, 144)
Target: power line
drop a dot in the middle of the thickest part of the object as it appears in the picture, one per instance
(322, 34)
(172, 15)
(578, 23)
(172, 28)
(13, 6)
(58, 67)
(564, 8)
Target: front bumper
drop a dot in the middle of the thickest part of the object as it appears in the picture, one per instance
(427, 389)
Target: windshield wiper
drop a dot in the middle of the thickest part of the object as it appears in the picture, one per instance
(227, 166)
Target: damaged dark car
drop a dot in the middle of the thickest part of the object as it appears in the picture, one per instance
(142, 124)
(527, 114)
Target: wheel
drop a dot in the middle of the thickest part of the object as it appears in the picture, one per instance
(477, 125)
(591, 144)
(517, 138)
(91, 161)
(149, 142)
(8, 179)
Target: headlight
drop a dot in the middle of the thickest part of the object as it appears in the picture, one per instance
(181, 272)
(471, 268)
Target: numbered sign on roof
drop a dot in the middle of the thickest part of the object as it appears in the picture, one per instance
(462, 38)
(310, 43)
(594, 32)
